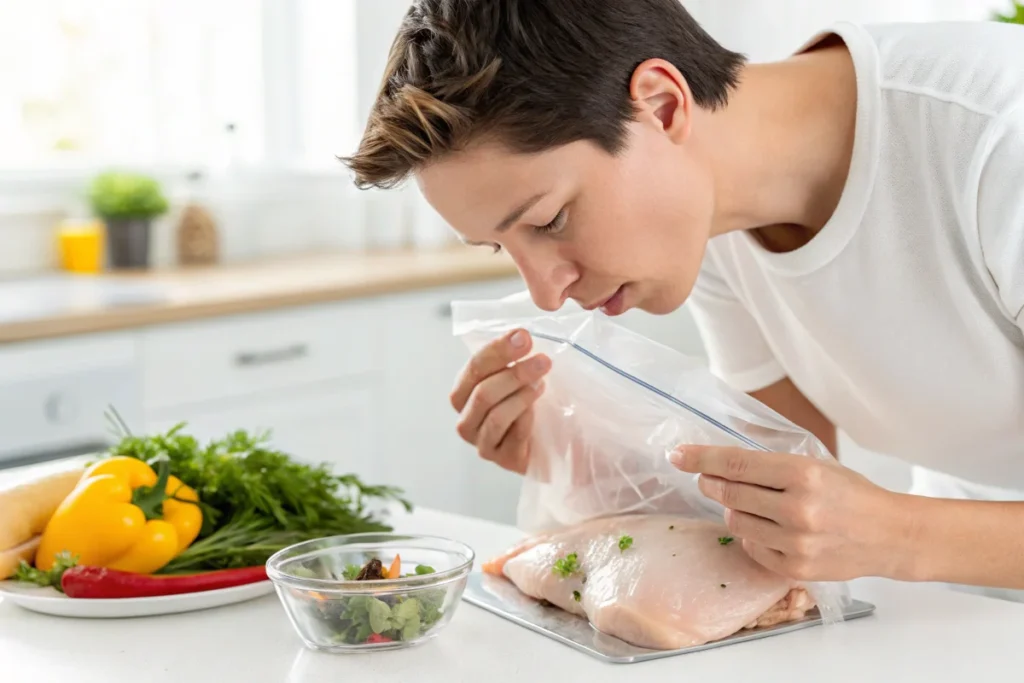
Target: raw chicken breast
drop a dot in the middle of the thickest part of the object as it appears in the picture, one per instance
(676, 585)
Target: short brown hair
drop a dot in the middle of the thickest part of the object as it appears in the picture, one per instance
(533, 74)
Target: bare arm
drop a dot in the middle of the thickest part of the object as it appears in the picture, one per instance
(786, 399)
(924, 539)
(963, 541)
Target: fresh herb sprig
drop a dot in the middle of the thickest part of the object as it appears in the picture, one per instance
(567, 566)
(255, 499)
(62, 562)
(625, 543)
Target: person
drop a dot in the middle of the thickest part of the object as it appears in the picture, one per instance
(847, 225)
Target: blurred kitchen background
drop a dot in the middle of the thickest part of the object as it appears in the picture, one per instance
(238, 280)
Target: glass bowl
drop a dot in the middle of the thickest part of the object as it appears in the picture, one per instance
(333, 612)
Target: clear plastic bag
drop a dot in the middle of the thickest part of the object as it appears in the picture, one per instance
(615, 405)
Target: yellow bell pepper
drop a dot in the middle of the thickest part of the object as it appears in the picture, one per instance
(123, 515)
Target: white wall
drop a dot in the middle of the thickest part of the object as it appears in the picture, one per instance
(377, 23)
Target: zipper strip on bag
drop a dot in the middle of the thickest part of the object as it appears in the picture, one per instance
(650, 387)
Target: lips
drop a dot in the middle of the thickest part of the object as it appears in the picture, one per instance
(616, 303)
(611, 306)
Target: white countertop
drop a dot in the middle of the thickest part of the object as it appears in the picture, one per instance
(918, 633)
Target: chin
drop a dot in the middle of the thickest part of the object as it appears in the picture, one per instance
(661, 305)
(659, 309)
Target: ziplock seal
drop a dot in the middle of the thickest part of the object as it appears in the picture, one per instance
(650, 387)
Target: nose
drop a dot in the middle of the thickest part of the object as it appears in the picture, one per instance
(548, 282)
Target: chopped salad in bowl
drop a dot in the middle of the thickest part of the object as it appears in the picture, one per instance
(370, 591)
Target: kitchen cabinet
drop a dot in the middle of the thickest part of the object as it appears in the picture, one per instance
(331, 423)
(235, 357)
(54, 395)
(308, 375)
(416, 423)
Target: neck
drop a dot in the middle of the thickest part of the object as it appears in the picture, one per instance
(780, 151)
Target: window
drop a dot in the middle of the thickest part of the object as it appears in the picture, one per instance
(327, 79)
(157, 82)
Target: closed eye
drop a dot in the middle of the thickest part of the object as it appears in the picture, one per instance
(556, 224)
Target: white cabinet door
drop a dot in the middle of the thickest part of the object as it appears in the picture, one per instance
(416, 423)
(239, 356)
(54, 395)
(330, 423)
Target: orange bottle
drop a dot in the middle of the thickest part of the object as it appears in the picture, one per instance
(80, 245)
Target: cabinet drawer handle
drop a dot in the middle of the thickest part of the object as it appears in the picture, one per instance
(248, 359)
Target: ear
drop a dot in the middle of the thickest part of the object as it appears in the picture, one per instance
(662, 98)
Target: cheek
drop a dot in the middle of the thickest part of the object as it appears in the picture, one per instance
(671, 207)
(645, 216)
(679, 191)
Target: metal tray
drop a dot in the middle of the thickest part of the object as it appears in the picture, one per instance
(501, 597)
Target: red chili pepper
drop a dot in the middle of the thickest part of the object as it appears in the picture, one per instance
(100, 582)
(378, 638)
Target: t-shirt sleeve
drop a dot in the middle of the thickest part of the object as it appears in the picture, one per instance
(1001, 214)
(736, 348)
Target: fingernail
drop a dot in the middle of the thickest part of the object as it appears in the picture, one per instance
(540, 363)
(678, 457)
(519, 339)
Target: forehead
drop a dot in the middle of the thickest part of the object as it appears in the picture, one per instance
(475, 188)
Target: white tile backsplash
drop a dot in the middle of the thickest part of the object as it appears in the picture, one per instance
(257, 215)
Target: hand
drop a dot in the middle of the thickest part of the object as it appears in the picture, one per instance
(495, 398)
(804, 518)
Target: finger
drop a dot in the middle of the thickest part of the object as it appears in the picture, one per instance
(513, 452)
(773, 470)
(766, 557)
(497, 388)
(492, 358)
(757, 529)
(756, 500)
(499, 420)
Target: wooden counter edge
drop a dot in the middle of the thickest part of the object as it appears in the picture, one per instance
(146, 315)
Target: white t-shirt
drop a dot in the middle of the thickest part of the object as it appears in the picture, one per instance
(902, 319)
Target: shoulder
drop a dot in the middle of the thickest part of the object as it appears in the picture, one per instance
(977, 65)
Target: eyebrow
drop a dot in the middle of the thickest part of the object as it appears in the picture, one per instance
(509, 220)
(518, 212)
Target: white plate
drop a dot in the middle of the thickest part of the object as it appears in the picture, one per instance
(51, 601)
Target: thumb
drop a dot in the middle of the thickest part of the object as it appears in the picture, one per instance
(769, 558)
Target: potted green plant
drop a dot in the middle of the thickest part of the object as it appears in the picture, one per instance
(1015, 15)
(127, 203)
